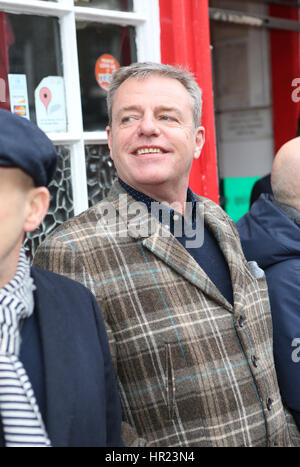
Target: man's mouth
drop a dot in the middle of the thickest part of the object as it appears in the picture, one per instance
(141, 151)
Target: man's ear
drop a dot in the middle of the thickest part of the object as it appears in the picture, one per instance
(37, 205)
(200, 139)
(108, 131)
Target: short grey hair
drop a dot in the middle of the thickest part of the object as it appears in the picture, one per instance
(147, 69)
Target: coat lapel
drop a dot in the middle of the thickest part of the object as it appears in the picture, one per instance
(227, 237)
(57, 356)
(169, 250)
(141, 225)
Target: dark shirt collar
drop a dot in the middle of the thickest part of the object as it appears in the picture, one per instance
(138, 196)
(193, 230)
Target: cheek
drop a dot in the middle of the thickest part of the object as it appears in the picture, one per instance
(10, 230)
(120, 147)
(12, 216)
(184, 138)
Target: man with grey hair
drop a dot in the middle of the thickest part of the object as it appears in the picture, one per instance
(270, 235)
(188, 321)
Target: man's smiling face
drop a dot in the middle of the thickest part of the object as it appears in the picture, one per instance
(152, 138)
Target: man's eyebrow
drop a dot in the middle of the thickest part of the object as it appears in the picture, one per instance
(139, 108)
(129, 108)
(166, 108)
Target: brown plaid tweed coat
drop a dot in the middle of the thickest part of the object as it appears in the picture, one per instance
(192, 370)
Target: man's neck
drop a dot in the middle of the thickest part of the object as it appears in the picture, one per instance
(8, 267)
(176, 199)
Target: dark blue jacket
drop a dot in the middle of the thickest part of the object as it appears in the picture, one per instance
(263, 185)
(81, 402)
(272, 239)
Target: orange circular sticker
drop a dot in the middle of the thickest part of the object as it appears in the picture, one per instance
(105, 66)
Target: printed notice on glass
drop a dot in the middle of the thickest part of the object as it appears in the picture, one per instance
(105, 66)
(50, 105)
(18, 95)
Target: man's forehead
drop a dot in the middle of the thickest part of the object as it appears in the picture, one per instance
(128, 95)
(15, 175)
(154, 79)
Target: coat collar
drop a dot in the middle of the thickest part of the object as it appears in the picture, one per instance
(144, 227)
(58, 362)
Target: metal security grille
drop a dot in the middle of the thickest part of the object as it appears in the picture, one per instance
(100, 172)
(61, 204)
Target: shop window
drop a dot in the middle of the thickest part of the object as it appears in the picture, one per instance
(100, 172)
(74, 44)
(101, 49)
(61, 204)
(121, 5)
(25, 65)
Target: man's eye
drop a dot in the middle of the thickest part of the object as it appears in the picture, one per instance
(127, 119)
(167, 118)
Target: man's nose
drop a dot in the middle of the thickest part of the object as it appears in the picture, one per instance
(148, 125)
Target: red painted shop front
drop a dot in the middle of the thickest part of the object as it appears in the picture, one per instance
(185, 40)
(262, 61)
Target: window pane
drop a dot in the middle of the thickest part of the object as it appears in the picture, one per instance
(61, 204)
(25, 61)
(100, 172)
(121, 5)
(100, 44)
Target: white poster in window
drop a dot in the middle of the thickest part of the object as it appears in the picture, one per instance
(18, 95)
(50, 105)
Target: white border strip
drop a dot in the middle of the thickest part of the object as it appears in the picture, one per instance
(89, 137)
(35, 7)
(64, 138)
(95, 137)
(109, 16)
(148, 34)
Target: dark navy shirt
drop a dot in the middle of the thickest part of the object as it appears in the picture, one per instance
(209, 255)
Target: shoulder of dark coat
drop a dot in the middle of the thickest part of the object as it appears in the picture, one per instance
(45, 278)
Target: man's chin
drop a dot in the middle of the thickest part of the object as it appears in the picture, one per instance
(150, 181)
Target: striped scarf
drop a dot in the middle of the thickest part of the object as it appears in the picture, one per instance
(21, 418)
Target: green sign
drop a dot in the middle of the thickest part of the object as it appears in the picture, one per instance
(237, 192)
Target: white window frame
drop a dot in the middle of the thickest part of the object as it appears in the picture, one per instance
(145, 19)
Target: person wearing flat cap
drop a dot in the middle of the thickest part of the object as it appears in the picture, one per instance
(57, 385)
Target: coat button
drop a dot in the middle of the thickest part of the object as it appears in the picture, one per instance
(254, 361)
(241, 321)
(269, 403)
